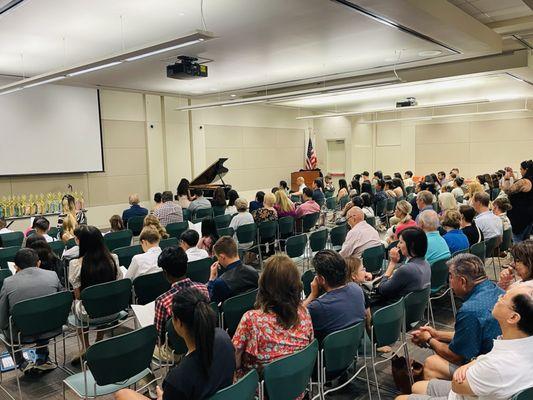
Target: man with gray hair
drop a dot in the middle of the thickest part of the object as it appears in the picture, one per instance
(361, 236)
(424, 202)
(135, 209)
(475, 327)
(489, 224)
(437, 246)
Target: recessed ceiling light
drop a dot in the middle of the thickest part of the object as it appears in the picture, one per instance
(213, 89)
(181, 14)
(232, 95)
(430, 53)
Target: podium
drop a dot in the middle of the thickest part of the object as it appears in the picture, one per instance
(308, 175)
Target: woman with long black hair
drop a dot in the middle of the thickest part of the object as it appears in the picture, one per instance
(520, 195)
(209, 364)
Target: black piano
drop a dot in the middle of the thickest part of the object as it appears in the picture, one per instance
(206, 180)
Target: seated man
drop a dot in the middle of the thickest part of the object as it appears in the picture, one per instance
(489, 224)
(29, 282)
(361, 236)
(200, 202)
(437, 247)
(188, 241)
(3, 226)
(505, 370)
(41, 226)
(173, 261)
(475, 328)
(146, 263)
(309, 206)
(234, 277)
(424, 202)
(300, 181)
(135, 209)
(318, 191)
(169, 212)
(342, 305)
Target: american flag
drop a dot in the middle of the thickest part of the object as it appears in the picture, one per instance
(311, 160)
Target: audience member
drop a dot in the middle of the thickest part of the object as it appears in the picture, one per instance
(169, 212)
(380, 194)
(283, 185)
(502, 372)
(230, 208)
(309, 206)
(475, 328)
(284, 206)
(486, 221)
(243, 217)
(365, 176)
(189, 242)
(199, 203)
(399, 188)
(135, 209)
(209, 364)
(151, 220)
(3, 226)
(258, 202)
(361, 235)
(318, 191)
(158, 201)
(389, 189)
(40, 226)
(454, 237)
(29, 282)
(520, 195)
(355, 186)
(209, 236)
(356, 272)
(173, 262)
(146, 263)
(424, 202)
(441, 177)
(279, 325)
(68, 228)
(481, 179)
(68, 206)
(471, 189)
(367, 205)
(116, 223)
(219, 198)
(457, 190)
(378, 176)
(415, 274)
(447, 202)
(522, 266)
(183, 193)
(74, 252)
(267, 212)
(342, 304)
(500, 206)
(343, 189)
(328, 184)
(468, 225)
(300, 181)
(49, 260)
(408, 179)
(402, 212)
(229, 276)
(437, 248)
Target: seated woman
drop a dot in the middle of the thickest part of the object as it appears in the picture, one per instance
(447, 202)
(96, 265)
(399, 188)
(230, 208)
(284, 206)
(209, 236)
(520, 271)
(258, 202)
(472, 189)
(500, 206)
(367, 205)
(116, 224)
(415, 274)
(280, 325)
(158, 201)
(209, 364)
(457, 190)
(152, 220)
(389, 189)
(402, 219)
(69, 226)
(49, 260)
(468, 225)
(343, 189)
(184, 195)
(454, 237)
(243, 217)
(267, 212)
(284, 186)
(219, 198)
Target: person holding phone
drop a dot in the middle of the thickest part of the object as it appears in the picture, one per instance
(520, 271)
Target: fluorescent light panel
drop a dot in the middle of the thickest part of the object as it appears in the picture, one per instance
(153, 53)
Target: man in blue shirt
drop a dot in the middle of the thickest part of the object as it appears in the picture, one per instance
(342, 305)
(318, 194)
(475, 327)
(135, 210)
(437, 246)
(229, 276)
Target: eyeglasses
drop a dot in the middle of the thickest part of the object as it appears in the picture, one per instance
(501, 300)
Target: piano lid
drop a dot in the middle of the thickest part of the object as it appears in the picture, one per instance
(212, 174)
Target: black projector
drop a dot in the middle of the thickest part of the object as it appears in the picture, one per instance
(408, 102)
(186, 68)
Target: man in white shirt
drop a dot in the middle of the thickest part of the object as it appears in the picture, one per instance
(408, 179)
(505, 370)
(361, 236)
(3, 225)
(188, 241)
(300, 181)
(146, 263)
(489, 224)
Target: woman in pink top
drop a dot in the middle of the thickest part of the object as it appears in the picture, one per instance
(283, 206)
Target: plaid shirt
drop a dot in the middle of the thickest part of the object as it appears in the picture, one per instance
(163, 304)
(169, 213)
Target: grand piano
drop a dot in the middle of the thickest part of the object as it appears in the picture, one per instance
(206, 180)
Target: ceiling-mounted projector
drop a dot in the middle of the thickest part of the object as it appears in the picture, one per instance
(408, 102)
(186, 68)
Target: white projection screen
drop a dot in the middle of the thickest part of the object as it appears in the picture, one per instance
(50, 129)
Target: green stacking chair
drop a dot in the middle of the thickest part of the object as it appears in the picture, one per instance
(439, 285)
(199, 270)
(186, 214)
(149, 287)
(490, 245)
(125, 254)
(218, 210)
(54, 232)
(478, 249)
(415, 307)
(70, 243)
(136, 224)
(12, 239)
(337, 235)
(203, 213)
(57, 247)
(307, 278)
(234, 308)
(309, 221)
(171, 241)
(373, 259)
(223, 221)
(343, 201)
(175, 229)
(381, 209)
(285, 227)
(114, 240)
(4, 273)
(318, 240)
(296, 199)
(246, 233)
(505, 245)
(295, 246)
(331, 203)
(526, 394)
(225, 231)
(7, 254)
(409, 190)
(243, 389)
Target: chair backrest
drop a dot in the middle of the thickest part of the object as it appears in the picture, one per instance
(526, 394)
(460, 199)
(318, 239)
(53, 232)
(507, 240)
(7, 254)
(203, 213)
(371, 221)
(331, 203)
(223, 221)
(409, 189)
(122, 357)
(373, 258)
(186, 214)
(70, 243)
(340, 348)
(478, 249)
(246, 233)
(288, 377)
(114, 240)
(494, 193)
(391, 203)
(337, 235)
(150, 287)
(460, 252)
(218, 210)
(227, 231)
(43, 314)
(4, 273)
(439, 275)
(175, 229)
(12, 239)
(307, 278)
(381, 206)
(125, 254)
(199, 270)
(171, 241)
(57, 247)
(174, 341)
(234, 308)
(268, 230)
(387, 323)
(135, 225)
(490, 245)
(309, 221)
(295, 199)
(286, 226)
(343, 201)
(107, 298)
(295, 245)
(415, 305)
(243, 389)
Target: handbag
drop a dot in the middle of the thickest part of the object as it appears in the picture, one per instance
(400, 373)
